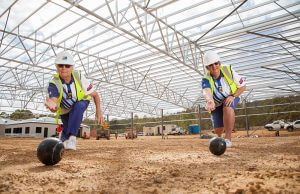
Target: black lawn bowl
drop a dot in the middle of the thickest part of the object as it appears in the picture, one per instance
(217, 146)
(50, 151)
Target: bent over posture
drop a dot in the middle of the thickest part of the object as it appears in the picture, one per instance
(69, 96)
(221, 87)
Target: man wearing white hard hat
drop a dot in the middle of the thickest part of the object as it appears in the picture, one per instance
(69, 96)
(221, 87)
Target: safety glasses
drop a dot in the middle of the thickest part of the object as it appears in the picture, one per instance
(63, 65)
(216, 63)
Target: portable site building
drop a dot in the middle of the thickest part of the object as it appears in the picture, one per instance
(156, 130)
(40, 128)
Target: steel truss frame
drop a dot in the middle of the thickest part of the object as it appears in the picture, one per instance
(148, 63)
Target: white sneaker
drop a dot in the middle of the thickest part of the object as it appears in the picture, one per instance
(71, 143)
(66, 143)
(228, 143)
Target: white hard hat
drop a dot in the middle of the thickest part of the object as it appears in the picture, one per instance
(64, 58)
(210, 57)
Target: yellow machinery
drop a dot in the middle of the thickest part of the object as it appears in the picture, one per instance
(103, 131)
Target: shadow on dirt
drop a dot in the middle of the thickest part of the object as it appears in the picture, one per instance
(43, 168)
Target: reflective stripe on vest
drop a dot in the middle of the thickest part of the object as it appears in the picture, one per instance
(226, 71)
(79, 92)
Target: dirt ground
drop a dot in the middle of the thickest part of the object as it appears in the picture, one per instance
(180, 164)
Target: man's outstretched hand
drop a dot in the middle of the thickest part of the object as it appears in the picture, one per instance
(210, 106)
(51, 104)
(99, 118)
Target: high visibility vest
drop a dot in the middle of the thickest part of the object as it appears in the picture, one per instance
(79, 92)
(226, 71)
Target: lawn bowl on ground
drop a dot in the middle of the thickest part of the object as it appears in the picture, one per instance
(50, 151)
(217, 146)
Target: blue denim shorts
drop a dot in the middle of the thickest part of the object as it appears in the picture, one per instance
(217, 114)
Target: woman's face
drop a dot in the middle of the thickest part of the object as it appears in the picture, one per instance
(214, 69)
(64, 71)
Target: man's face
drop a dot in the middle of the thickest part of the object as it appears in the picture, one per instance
(64, 71)
(214, 68)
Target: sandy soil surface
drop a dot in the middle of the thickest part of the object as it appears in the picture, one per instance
(263, 164)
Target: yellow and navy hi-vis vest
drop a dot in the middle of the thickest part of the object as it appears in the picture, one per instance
(79, 92)
(226, 71)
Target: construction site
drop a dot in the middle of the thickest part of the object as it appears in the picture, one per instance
(149, 85)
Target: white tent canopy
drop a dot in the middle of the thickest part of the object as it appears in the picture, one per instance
(144, 56)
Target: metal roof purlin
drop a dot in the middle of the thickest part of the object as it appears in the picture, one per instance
(273, 37)
(281, 70)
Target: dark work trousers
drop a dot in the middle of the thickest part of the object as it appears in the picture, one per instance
(72, 120)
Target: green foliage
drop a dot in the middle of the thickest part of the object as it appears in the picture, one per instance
(4, 115)
(274, 109)
(21, 114)
(88, 122)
